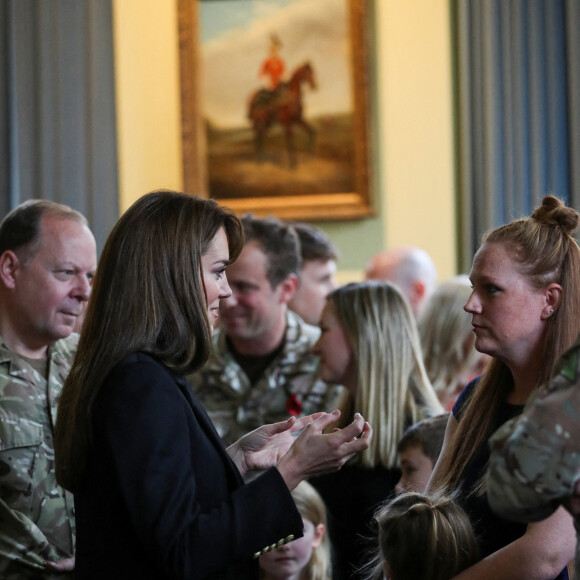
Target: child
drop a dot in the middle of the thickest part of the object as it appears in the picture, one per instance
(423, 537)
(307, 558)
(418, 450)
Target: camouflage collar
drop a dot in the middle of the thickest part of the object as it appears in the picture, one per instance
(299, 339)
(65, 347)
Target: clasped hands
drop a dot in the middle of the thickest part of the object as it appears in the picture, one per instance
(299, 448)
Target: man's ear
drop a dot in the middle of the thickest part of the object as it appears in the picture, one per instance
(288, 288)
(9, 265)
(418, 290)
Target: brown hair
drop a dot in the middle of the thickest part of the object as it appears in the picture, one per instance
(314, 243)
(426, 537)
(148, 295)
(545, 251)
(427, 434)
(279, 242)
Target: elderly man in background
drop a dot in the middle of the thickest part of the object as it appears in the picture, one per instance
(317, 275)
(47, 261)
(261, 369)
(411, 269)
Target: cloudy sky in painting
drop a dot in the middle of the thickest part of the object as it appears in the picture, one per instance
(235, 40)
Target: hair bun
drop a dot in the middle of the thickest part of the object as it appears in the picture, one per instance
(554, 211)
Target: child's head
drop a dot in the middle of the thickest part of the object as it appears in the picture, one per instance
(424, 537)
(310, 553)
(418, 450)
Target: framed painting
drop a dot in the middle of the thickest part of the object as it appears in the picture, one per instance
(274, 106)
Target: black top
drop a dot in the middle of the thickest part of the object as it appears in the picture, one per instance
(161, 498)
(492, 531)
(351, 496)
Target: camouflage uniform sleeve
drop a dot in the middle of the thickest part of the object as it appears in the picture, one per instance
(24, 546)
(535, 459)
(36, 514)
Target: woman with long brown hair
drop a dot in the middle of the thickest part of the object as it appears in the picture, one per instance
(525, 308)
(156, 493)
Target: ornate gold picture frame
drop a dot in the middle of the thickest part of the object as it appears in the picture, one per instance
(288, 139)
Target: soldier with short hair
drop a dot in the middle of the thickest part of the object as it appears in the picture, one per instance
(47, 261)
(261, 369)
(317, 274)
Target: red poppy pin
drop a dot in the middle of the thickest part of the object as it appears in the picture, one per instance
(293, 405)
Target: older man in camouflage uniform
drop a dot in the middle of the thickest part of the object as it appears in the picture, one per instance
(535, 459)
(47, 260)
(261, 370)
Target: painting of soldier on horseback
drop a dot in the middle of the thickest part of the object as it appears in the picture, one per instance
(278, 100)
(282, 104)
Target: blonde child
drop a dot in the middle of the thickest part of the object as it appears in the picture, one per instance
(307, 558)
(423, 537)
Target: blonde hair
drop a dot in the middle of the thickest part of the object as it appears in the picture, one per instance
(447, 339)
(393, 390)
(311, 507)
(545, 252)
(426, 537)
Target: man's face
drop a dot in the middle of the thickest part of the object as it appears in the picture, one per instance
(51, 290)
(255, 309)
(317, 280)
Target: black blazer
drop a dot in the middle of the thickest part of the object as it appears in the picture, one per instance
(161, 497)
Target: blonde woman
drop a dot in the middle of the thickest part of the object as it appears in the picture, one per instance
(524, 311)
(309, 557)
(447, 340)
(370, 344)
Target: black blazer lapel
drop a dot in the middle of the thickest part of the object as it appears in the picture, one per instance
(209, 429)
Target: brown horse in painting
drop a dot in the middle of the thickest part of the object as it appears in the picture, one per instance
(282, 105)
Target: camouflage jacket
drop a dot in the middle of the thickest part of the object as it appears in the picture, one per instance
(535, 459)
(36, 514)
(289, 384)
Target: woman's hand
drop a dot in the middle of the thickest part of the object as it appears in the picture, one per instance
(264, 447)
(314, 452)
